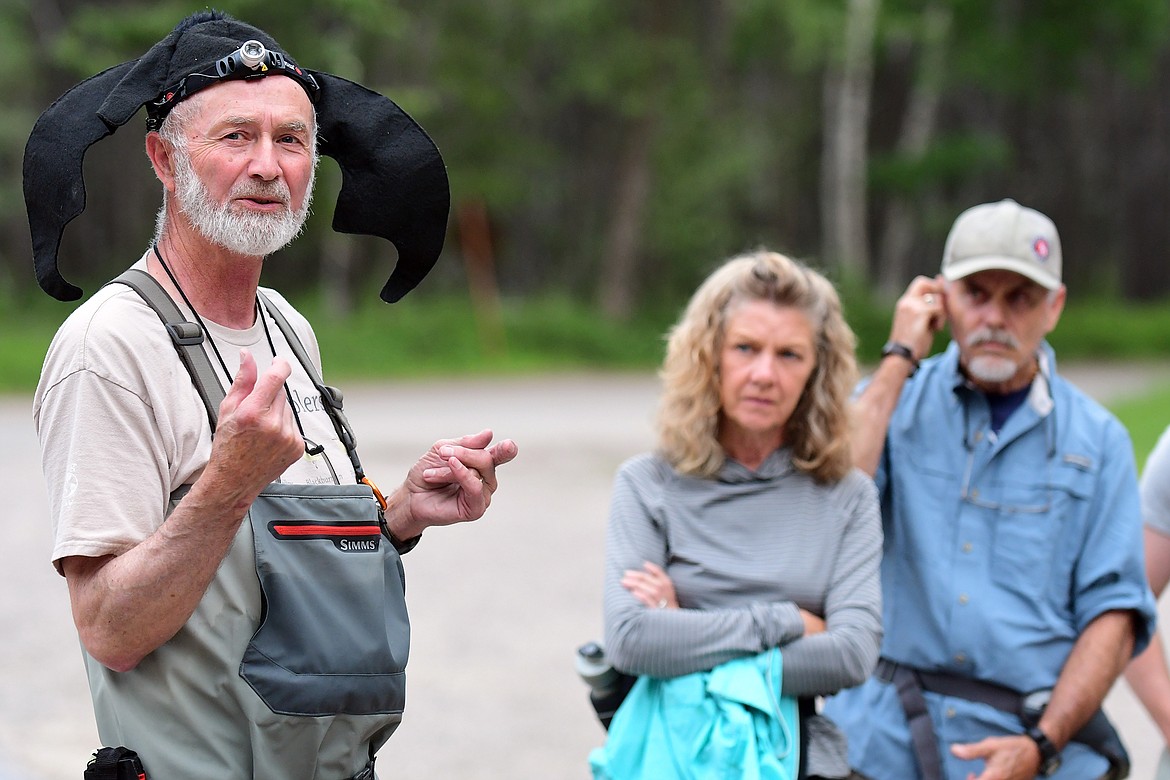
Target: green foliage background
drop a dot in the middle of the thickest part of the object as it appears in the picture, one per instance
(1145, 416)
(444, 336)
(535, 104)
(546, 111)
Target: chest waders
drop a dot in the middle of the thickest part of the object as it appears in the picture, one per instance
(333, 634)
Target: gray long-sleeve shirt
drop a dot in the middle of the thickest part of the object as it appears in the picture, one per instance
(745, 550)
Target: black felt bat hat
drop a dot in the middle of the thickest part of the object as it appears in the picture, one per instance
(394, 183)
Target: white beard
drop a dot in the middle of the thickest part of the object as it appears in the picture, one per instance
(249, 233)
(991, 369)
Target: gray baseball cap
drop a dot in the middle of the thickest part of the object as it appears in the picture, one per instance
(1007, 236)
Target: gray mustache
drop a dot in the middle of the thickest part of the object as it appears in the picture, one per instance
(992, 336)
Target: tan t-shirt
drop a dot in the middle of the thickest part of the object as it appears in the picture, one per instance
(122, 428)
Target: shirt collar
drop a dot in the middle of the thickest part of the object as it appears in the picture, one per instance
(1040, 396)
(777, 464)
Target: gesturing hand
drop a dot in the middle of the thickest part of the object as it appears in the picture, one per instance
(452, 483)
(256, 438)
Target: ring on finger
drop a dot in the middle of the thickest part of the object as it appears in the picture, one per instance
(662, 603)
(928, 299)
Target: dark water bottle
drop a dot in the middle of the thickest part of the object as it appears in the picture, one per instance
(607, 686)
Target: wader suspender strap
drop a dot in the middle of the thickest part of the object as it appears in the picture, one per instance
(187, 337)
(330, 396)
(333, 401)
(918, 719)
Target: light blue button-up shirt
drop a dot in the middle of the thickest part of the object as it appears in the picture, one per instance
(1000, 548)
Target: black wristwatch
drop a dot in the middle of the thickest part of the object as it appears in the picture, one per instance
(1049, 755)
(899, 349)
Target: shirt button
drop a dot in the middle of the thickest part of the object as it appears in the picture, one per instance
(968, 547)
(950, 712)
(963, 598)
(978, 435)
(974, 493)
(960, 658)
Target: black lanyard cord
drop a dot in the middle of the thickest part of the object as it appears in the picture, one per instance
(311, 447)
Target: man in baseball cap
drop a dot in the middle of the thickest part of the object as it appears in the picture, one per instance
(1013, 585)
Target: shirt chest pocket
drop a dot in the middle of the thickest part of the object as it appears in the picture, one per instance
(1035, 527)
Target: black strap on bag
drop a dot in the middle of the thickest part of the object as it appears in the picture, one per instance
(1101, 736)
(1098, 733)
(330, 396)
(909, 687)
(806, 707)
(115, 763)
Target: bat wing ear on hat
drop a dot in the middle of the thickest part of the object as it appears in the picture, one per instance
(54, 190)
(394, 182)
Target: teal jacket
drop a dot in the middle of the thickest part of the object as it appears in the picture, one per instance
(730, 722)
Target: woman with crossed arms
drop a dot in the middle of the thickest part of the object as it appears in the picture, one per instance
(748, 528)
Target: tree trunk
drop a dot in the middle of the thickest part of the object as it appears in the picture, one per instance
(338, 253)
(622, 247)
(843, 173)
(1143, 179)
(336, 271)
(918, 125)
(624, 236)
(475, 239)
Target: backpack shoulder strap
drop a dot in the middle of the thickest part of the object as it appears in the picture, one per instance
(188, 338)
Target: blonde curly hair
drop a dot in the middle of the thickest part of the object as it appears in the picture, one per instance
(690, 413)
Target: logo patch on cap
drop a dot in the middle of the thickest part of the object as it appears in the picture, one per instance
(1040, 249)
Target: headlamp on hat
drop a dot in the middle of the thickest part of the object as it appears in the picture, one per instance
(252, 60)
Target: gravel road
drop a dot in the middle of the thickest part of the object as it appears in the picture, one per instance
(497, 607)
